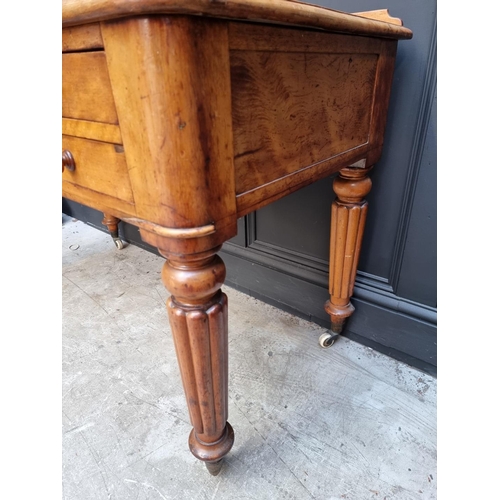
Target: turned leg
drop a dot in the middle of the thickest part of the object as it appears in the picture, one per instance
(348, 222)
(197, 312)
(111, 222)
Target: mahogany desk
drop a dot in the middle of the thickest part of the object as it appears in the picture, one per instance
(180, 117)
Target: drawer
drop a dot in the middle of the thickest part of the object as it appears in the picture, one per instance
(100, 168)
(86, 89)
(85, 37)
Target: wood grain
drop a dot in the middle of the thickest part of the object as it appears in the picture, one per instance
(98, 201)
(291, 110)
(173, 232)
(379, 15)
(198, 316)
(85, 37)
(264, 195)
(383, 83)
(98, 131)
(171, 85)
(86, 90)
(99, 167)
(342, 106)
(349, 212)
(76, 12)
(260, 37)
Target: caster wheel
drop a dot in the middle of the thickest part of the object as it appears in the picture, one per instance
(326, 340)
(118, 243)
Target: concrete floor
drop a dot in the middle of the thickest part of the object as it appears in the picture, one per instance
(341, 423)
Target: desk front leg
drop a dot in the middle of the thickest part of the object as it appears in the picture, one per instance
(349, 212)
(197, 312)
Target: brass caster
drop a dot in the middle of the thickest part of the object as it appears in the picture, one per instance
(214, 467)
(327, 340)
(118, 243)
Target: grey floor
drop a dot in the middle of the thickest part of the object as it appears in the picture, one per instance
(341, 423)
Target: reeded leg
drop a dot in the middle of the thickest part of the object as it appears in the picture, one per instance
(198, 316)
(348, 222)
(111, 222)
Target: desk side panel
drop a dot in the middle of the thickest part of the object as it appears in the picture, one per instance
(305, 104)
(292, 110)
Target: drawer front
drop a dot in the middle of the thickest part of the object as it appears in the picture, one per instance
(86, 89)
(85, 37)
(100, 168)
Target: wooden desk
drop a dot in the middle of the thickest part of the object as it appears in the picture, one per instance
(180, 117)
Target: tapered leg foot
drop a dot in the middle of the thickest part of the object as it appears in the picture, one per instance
(338, 315)
(349, 212)
(211, 452)
(214, 467)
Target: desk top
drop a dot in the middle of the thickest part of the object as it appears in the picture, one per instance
(290, 12)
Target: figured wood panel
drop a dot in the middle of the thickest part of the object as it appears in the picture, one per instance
(292, 110)
(86, 37)
(100, 167)
(86, 89)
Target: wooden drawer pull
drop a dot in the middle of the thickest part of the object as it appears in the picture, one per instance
(68, 161)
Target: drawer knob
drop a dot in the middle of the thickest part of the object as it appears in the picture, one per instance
(68, 162)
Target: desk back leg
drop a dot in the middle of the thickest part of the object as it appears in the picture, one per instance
(347, 226)
(111, 222)
(198, 317)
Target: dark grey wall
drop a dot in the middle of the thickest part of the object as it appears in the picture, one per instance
(281, 252)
